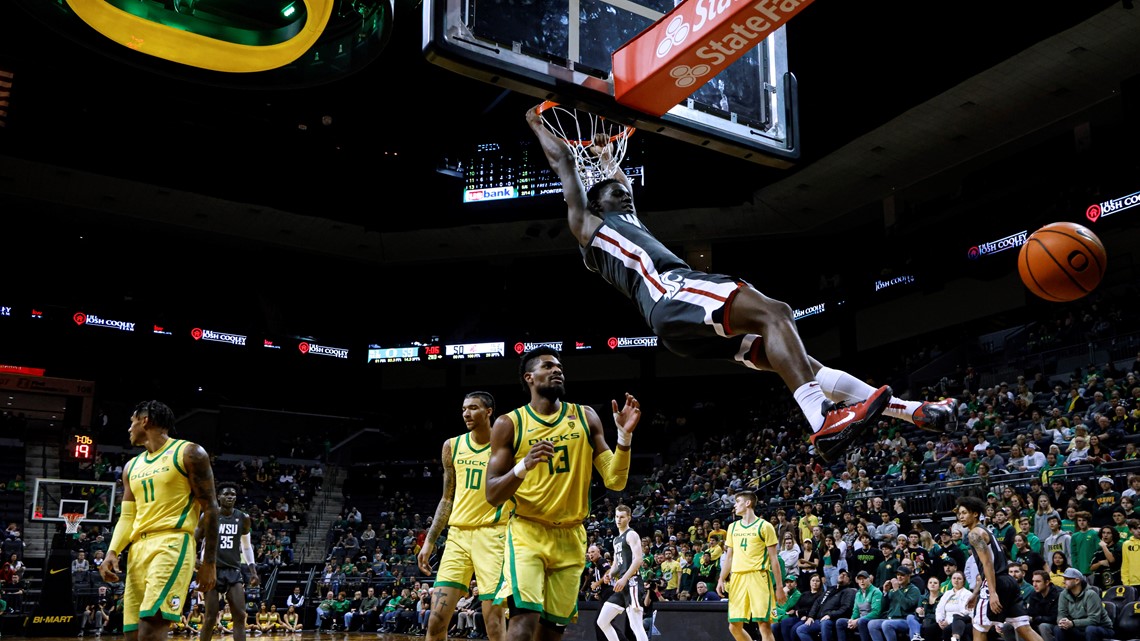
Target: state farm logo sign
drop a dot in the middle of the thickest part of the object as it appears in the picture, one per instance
(697, 39)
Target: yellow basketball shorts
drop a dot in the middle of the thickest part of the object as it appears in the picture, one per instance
(750, 597)
(474, 551)
(542, 569)
(159, 568)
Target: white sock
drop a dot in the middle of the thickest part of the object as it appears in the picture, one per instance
(810, 397)
(838, 385)
(904, 410)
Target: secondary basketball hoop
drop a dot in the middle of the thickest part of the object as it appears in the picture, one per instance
(72, 519)
(582, 131)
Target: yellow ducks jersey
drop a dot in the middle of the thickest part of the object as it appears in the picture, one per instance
(163, 499)
(469, 507)
(749, 545)
(555, 493)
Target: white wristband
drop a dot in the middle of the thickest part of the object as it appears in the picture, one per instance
(625, 438)
(520, 469)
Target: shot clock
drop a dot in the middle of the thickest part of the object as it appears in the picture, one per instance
(79, 447)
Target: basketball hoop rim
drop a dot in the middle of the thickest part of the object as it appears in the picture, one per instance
(72, 519)
(623, 133)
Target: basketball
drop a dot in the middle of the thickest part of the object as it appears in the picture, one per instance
(1062, 262)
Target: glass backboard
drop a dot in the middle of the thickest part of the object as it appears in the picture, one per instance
(52, 498)
(561, 50)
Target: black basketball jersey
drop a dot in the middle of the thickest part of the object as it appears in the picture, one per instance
(1001, 564)
(623, 553)
(229, 539)
(627, 256)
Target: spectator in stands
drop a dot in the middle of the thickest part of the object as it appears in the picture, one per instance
(993, 459)
(350, 544)
(296, 599)
(1023, 553)
(1107, 559)
(1041, 607)
(836, 603)
(12, 566)
(1057, 569)
(867, 606)
(13, 593)
(326, 612)
(1107, 501)
(1045, 510)
(1080, 613)
(952, 614)
(13, 544)
(1058, 539)
(1001, 529)
(785, 629)
(888, 567)
(902, 600)
(354, 517)
(808, 565)
(1084, 543)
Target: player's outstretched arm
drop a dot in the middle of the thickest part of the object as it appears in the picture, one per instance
(442, 511)
(582, 221)
(614, 466)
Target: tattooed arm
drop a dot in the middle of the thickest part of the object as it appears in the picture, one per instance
(980, 541)
(442, 511)
(201, 476)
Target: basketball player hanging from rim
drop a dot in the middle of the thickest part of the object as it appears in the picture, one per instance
(234, 547)
(997, 596)
(702, 315)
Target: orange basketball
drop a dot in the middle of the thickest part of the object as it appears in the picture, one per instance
(1062, 262)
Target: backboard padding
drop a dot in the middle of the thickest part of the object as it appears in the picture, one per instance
(533, 47)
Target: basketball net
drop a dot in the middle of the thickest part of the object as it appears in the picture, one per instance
(584, 132)
(72, 520)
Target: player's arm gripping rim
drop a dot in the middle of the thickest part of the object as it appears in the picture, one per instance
(979, 540)
(635, 563)
(582, 221)
(201, 477)
(442, 513)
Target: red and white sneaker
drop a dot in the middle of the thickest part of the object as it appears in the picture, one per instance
(843, 424)
(935, 416)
